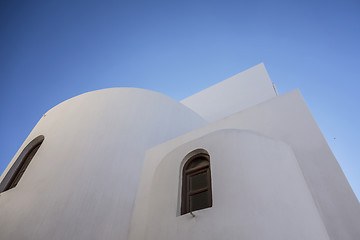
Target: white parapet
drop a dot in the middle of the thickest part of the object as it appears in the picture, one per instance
(232, 95)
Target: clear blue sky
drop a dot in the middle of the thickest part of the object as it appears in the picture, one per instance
(53, 50)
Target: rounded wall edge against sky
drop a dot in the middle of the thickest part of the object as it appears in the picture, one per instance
(258, 192)
(82, 182)
(288, 119)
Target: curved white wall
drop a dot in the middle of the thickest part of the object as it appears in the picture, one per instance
(259, 192)
(82, 182)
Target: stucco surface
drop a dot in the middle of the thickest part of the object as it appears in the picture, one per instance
(89, 179)
(232, 95)
(258, 189)
(82, 182)
(286, 118)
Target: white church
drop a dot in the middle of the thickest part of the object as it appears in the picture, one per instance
(235, 161)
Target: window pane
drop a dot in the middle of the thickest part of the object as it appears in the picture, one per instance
(199, 201)
(201, 161)
(198, 181)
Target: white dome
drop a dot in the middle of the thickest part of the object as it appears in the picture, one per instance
(87, 170)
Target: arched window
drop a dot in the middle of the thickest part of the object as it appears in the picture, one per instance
(15, 173)
(196, 184)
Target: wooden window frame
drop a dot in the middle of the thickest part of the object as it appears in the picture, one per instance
(189, 172)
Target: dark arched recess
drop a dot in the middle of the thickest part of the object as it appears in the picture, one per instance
(18, 168)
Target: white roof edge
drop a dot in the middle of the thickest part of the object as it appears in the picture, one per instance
(232, 95)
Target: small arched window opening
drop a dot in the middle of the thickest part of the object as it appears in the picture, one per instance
(196, 184)
(15, 173)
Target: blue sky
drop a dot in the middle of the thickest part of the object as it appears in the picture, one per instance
(54, 50)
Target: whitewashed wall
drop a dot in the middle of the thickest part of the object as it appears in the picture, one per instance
(258, 189)
(82, 182)
(288, 119)
(232, 95)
